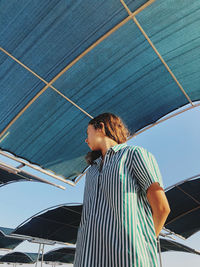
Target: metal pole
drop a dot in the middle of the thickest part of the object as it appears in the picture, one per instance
(169, 231)
(159, 249)
(42, 255)
(38, 255)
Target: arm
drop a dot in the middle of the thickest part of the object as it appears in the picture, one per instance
(159, 205)
(148, 175)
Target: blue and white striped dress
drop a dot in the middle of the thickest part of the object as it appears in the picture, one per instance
(116, 228)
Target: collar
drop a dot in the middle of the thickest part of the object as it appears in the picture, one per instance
(114, 148)
(118, 147)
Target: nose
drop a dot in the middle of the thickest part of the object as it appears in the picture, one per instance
(86, 140)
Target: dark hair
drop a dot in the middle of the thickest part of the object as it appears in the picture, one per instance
(114, 129)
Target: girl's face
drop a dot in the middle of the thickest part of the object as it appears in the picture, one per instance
(94, 137)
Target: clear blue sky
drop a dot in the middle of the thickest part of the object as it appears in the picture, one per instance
(175, 144)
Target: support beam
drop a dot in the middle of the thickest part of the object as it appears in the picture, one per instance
(156, 51)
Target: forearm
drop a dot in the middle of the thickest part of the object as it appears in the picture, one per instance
(159, 218)
(159, 206)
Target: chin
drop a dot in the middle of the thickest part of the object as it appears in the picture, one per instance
(93, 148)
(90, 147)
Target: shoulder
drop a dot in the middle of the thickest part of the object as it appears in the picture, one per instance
(136, 151)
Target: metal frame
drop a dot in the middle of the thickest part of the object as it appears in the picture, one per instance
(40, 240)
(183, 181)
(25, 253)
(17, 171)
(38, 255)
(54, 263)
(159, 250)
(172, 233)
(49, 84)
(164, 119)
(156, 51)
(177, 185)
(36, 240)
(30, 239)
(38, 168)
(131, 15)
(48, 209)
(35, 167)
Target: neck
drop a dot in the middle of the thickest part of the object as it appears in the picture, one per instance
(106, 144)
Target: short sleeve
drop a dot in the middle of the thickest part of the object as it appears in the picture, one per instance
(145, 168)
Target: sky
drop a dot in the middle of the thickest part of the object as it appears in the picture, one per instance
(175, 144)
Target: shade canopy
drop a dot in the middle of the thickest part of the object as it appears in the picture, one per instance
(169, 245)
(84, 58)
(7, 177)
(66, 255)
(19, 257)
(59, 224)
(62, 255)
(7, 242)
(184, 201)
(6, 231)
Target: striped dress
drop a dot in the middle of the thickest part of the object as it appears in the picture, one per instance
(116, 228)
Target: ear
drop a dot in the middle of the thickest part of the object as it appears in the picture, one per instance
(102, 128)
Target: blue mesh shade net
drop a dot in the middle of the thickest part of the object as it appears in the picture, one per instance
(89, 57)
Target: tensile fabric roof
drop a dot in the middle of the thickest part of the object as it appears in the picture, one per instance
(58, 224)
(184, 201)
(64, 62)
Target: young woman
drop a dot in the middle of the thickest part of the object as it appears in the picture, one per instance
(124, 205)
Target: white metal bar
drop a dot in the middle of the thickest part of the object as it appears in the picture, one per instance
(35, 167)
(38, 240)
(35, 240)
(167, 235)
(42, 255)
(183, 181)
(6, 249)
(38, 255)
(8, 168)
(159, 249)
(18, 172)
(162, 120)
(167, 230)
(180, 245)
(80, 176)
